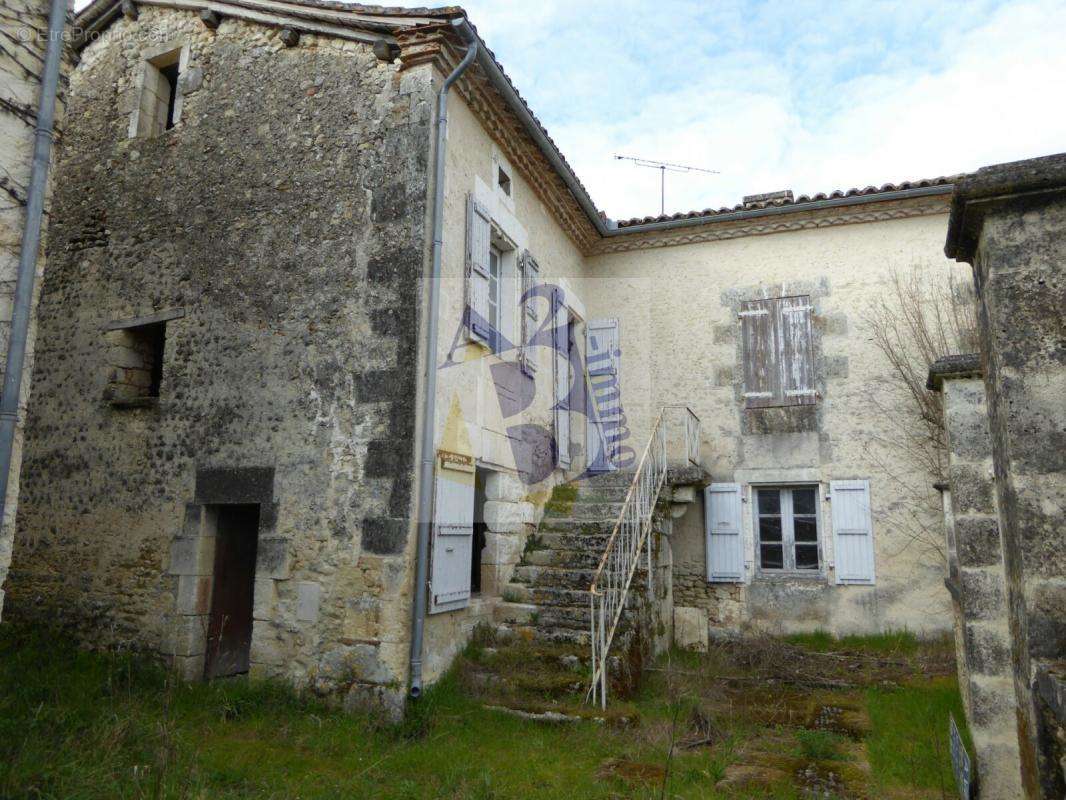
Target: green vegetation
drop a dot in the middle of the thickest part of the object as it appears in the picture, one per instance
(886, 644)
(86, 726)
(908, 745)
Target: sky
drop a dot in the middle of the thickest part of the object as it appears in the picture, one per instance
(801, 95)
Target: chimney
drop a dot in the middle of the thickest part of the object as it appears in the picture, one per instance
(768, 199)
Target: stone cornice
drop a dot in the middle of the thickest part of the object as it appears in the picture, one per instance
(797, 220)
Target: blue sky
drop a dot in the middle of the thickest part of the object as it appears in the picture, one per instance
(811, 96)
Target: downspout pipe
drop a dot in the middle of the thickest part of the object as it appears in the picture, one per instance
(31, 243)
(427, 446)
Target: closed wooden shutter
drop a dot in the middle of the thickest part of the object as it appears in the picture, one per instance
(453, 540)
(528, 311)
(478, 245)
(778, 352)
(797, 350)
(602, 355)
(853, 539)
(762, 372)
(722, 522)
(561, 317)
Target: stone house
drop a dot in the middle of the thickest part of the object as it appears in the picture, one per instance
(224, 460)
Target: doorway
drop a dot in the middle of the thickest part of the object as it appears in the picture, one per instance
(480, 529)
(229, 630)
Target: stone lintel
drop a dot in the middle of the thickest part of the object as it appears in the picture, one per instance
(965, 365)
(997, 185)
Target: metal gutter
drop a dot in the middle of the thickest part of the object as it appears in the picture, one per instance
(31, 243)
(427, 446)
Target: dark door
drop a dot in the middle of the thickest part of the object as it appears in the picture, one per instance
(229, 632)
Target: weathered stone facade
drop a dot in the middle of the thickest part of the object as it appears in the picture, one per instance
(975, 578)
(1009, 222)
(25, 29)
(280, 226)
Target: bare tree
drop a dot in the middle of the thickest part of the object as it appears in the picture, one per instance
(924, 317)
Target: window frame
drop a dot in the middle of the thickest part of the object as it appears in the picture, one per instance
(788, 541)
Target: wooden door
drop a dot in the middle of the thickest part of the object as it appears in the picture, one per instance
(229, 632)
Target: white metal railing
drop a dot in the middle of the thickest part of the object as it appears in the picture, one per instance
(631, 534)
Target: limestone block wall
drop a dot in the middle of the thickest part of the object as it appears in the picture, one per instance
(978, 587)
(279, 227)
(25, 28)
(680, 342)
(1009, 221)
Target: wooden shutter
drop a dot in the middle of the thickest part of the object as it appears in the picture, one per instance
(561, 319)
(722, 522)
(602, 363)
(528, 311)
(762, 371)
(853, 539)
(778, 352)
(478, 244)
(453, 540)
(797, 351)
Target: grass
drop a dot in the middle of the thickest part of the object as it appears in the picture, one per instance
(909, 745)
(85, 726)
(900, 643)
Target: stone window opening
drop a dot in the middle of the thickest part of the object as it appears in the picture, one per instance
(503, 180)
(159, 95)
(787, 537)
(136, 351)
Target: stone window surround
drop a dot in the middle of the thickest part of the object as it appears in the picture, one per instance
(191, 563)
(144, 107)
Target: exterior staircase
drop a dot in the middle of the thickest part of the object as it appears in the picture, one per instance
(537, 660)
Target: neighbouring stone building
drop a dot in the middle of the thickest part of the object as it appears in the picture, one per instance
(223, 459)
(24, 24)
(1006, 422)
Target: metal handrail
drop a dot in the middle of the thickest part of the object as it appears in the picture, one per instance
(692, 433)
(610, 584)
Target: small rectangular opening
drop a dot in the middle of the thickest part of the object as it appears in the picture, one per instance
(170, 74)
(136, 363)
(503, 180)
(229, 630)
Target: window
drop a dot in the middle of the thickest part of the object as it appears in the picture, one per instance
(787, 529)
(503, 180)
(135, 358)
(159, 101)
(778, 352)
(495, 276)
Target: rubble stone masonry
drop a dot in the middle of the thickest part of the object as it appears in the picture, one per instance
(278, 229)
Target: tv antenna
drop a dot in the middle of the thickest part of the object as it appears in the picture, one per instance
(664, 167)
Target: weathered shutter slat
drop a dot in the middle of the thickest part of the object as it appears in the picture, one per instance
(761, 366)
(453, 540)
(853, 540)
(797, 351)
(722, 522)
(478, 245)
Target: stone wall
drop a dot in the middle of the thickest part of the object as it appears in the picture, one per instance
(680, 341)
(279, 227)
(976, 579)
(24, 24)
(1009, 221)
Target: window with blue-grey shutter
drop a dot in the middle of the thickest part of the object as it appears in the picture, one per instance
(563, 377)
(778, 350)
(478, 255)
(453, 540)
(853, 538)
(725, 544)
(528, 311)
